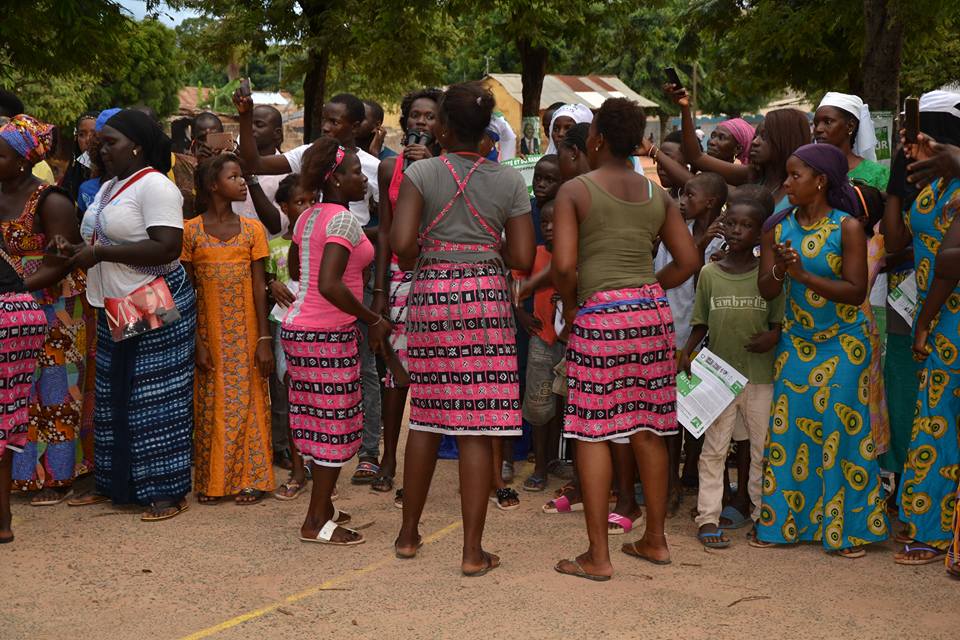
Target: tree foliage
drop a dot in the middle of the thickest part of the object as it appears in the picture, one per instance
(812, 46)
(144, 68)
(60, 37)
(148, 71)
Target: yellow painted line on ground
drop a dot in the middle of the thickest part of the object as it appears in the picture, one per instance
(332, 582)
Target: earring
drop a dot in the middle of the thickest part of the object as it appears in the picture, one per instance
(21, 168)
(338, 185)
(135, 152)
(596, 148)
(819, 187)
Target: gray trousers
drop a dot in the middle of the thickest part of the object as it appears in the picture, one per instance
(370, 385)
(279, 402)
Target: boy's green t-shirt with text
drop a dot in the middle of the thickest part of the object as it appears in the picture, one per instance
(731, 307)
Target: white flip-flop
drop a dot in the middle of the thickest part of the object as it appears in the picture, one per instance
(341, 517)
(326, 536)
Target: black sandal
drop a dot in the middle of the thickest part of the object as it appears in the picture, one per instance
(382, 484)
(504, 497)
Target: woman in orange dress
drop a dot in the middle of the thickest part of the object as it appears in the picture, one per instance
(224, 256)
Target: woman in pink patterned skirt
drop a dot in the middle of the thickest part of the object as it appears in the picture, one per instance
(451, 217)
(620, 354)
(320, 339)
(23, 328)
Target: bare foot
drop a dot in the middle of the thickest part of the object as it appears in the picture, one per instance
(488, 562)
(406, 544)
(649, 548)
(407, 553)
(594, 567)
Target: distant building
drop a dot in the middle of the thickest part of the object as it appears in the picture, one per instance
(191, 99)
(591, 91)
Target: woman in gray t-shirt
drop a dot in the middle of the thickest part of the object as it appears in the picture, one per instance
(465, 221)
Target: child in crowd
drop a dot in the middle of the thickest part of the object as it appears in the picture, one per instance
(292, 200)
(546, 183)
(744, 329)
(224, 257)
(545, 352)
(701, 202)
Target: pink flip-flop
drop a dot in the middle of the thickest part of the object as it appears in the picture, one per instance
(623, 524)
(562, 504)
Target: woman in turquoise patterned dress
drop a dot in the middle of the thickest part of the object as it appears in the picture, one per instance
(821, 479)
(928, 486)
(928, 490)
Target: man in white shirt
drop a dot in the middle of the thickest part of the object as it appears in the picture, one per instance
(342, 116)
(260, 205)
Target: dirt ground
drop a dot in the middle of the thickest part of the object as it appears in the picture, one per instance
(240, 572)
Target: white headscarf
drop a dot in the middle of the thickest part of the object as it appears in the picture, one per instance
(579, 113)
(866, 142)
(941, 101)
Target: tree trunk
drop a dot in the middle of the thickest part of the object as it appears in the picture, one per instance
(533, 62)
(664, 123)
(882, 52)
(314, 92)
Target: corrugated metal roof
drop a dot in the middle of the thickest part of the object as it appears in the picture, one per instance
(268, 97)
(589, 90)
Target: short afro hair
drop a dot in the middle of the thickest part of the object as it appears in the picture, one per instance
(355, 110)
(622, 124)
(713, 185)
(406, 104)
(286, 188)
(755, 198)
(375, 108)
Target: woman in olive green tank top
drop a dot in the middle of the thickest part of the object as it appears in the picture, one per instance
(620, 355)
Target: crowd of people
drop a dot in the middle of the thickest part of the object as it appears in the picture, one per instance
(178, 323)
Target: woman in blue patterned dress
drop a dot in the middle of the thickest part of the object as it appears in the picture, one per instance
(821, 480)
(929, 484)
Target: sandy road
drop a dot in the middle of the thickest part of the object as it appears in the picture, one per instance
(240, 572)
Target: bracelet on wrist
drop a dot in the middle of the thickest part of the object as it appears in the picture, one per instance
(378, 321)
(773, 272)
(379, 291)
(262, 338)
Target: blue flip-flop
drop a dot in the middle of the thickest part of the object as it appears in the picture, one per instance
(737, 519)
(716, 544)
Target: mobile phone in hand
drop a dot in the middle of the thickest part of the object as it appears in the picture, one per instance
(672, 77)
(220, 141)
(245, 87)
(911, 118)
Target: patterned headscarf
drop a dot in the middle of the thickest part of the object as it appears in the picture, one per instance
(29, 137)
(743, 132)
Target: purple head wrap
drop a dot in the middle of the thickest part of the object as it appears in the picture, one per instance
(830, 161)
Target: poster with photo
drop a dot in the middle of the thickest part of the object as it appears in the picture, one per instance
(530, 136)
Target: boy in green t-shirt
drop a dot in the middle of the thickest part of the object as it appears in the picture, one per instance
(744, 330)
(292, 201)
